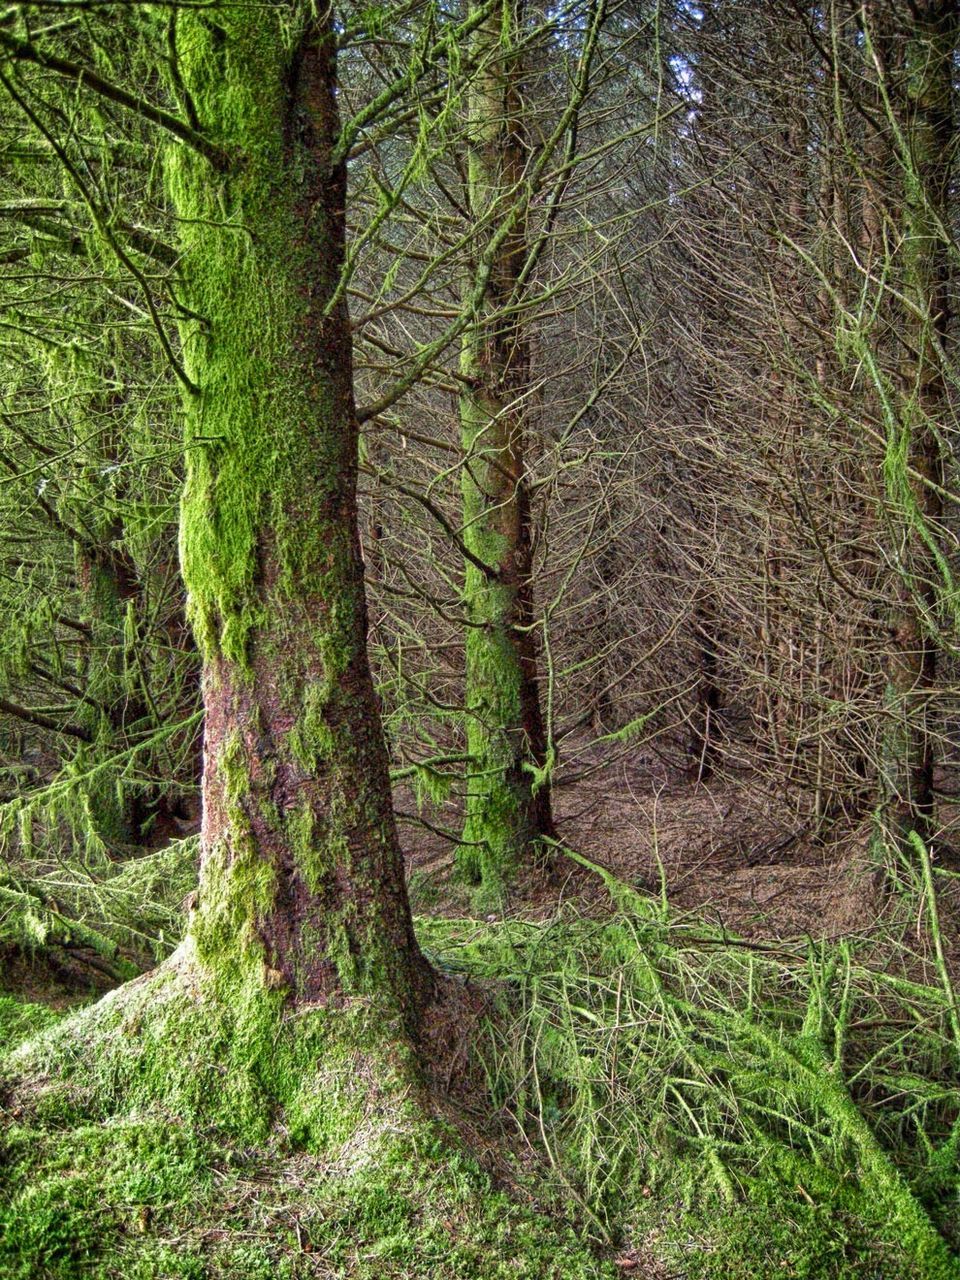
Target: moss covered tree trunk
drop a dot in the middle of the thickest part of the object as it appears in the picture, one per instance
(914, 463)
(508, 801)
(302, 887)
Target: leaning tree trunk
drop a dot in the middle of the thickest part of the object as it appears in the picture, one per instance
(914, 462)
(301, 883)
(508, 799)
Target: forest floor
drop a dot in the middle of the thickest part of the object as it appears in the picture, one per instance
(656, 1100)
(730, 851)
(744, 860)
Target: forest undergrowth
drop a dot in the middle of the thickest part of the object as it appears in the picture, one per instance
(480, 660)
(650, 1096)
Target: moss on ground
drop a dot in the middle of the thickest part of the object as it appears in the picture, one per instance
(814, 1226)
(18, 1020)
(159, 1134)
(148, 1198)
(669, 1087)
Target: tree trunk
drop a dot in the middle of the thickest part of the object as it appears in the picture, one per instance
(705, 729)
(109, 583)
(301, 886)
(508, 801)
(914, 464)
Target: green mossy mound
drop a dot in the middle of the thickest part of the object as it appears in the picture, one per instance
(163, 1134)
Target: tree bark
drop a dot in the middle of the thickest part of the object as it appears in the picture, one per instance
(508, 800)
(914, 462)
(302, 887)
(109, 583)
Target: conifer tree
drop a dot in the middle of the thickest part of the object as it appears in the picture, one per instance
(508, 792)
(301, 872)
(302, 889)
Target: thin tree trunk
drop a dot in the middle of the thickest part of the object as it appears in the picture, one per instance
(914, 460)
(508, 803)
(109, 583)
(705, 728)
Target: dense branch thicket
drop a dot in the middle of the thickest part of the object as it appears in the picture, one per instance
(428, 433)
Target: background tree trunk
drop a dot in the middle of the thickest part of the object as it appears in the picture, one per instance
(914, 463)
(508, 801)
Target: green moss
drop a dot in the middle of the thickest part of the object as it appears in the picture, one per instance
(502, 819)
(497, 822)
(215, 1211)
(684, 1092)
(268, 538)
(497, 826)
(250, 462)
(236, 882)
(692, 1096)
(311, 739)
(19, 1020)
(162, 1133)
(176, 1041)
(791, 1217)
